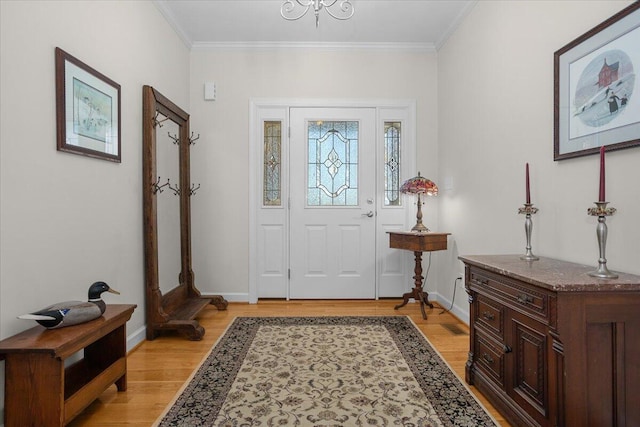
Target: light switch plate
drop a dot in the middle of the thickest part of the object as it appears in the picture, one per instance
(210, 91)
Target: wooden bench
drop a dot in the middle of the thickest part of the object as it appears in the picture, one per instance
(40, 391)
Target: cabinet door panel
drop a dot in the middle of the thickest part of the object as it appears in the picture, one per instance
(612, 363)
(529, 387)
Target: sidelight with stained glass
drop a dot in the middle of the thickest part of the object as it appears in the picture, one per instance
(392, 163)
(272, 185)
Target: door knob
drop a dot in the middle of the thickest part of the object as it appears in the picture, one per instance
(368, 214)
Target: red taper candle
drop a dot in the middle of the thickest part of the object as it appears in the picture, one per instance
(601, 195)
(527, 184)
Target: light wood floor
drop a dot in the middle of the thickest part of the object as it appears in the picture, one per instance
(158, 369)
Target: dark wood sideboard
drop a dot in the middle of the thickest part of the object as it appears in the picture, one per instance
(551, 345)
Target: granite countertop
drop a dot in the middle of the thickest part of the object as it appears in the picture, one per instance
(553, 274)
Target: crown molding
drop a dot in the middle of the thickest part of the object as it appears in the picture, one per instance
(166, 12)
(171, 19)
(455, 24)
(322, 46)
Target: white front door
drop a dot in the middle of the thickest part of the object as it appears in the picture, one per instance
(332, 203)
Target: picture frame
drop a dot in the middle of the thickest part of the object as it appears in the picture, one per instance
(87, 110)
(597, 88)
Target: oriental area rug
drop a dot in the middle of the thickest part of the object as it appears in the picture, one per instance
(324, 372)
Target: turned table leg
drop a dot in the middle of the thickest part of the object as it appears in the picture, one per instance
(417, 293)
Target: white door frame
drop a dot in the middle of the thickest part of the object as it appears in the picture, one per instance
(278, 109)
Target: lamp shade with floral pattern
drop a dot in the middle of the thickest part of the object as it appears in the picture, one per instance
(419, 185)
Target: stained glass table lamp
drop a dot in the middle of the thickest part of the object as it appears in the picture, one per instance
(419, 185)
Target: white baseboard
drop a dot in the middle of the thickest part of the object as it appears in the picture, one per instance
(232, 297)
(136, 337)
(459, 312)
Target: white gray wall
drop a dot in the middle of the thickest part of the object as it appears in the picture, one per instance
(495, 85)
(68, 220)
(484, 108)
(494, 113)
(220, 158)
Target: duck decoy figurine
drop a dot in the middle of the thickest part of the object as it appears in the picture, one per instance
(73, 312)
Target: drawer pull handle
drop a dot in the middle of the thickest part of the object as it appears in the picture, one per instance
(487, 358)
(488, 315)
(479, 280)
(507, 349)
(525, 299)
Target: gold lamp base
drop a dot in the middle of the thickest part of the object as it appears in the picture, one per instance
(420, 228)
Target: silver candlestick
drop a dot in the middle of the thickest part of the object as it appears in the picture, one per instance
(602, 212)
(528, 210)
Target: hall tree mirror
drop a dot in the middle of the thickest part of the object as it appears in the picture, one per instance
(172, 300)
(168, 206)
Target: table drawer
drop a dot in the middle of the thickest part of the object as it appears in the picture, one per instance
(489, 357)
(489, 314)
(519, 295)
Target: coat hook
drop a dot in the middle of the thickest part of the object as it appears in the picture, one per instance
(193, 140)
(193, 189)
(175, 189)
(175, 138)
(157, 122)
(155, 187)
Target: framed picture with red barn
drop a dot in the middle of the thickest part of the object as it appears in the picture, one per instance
(596, 88)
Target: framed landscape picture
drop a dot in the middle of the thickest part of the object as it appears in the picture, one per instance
(87, 110)
(597, 88)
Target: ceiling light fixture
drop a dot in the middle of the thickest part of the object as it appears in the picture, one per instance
(291, 12)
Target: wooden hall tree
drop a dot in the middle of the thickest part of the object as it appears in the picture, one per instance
(177, 308)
